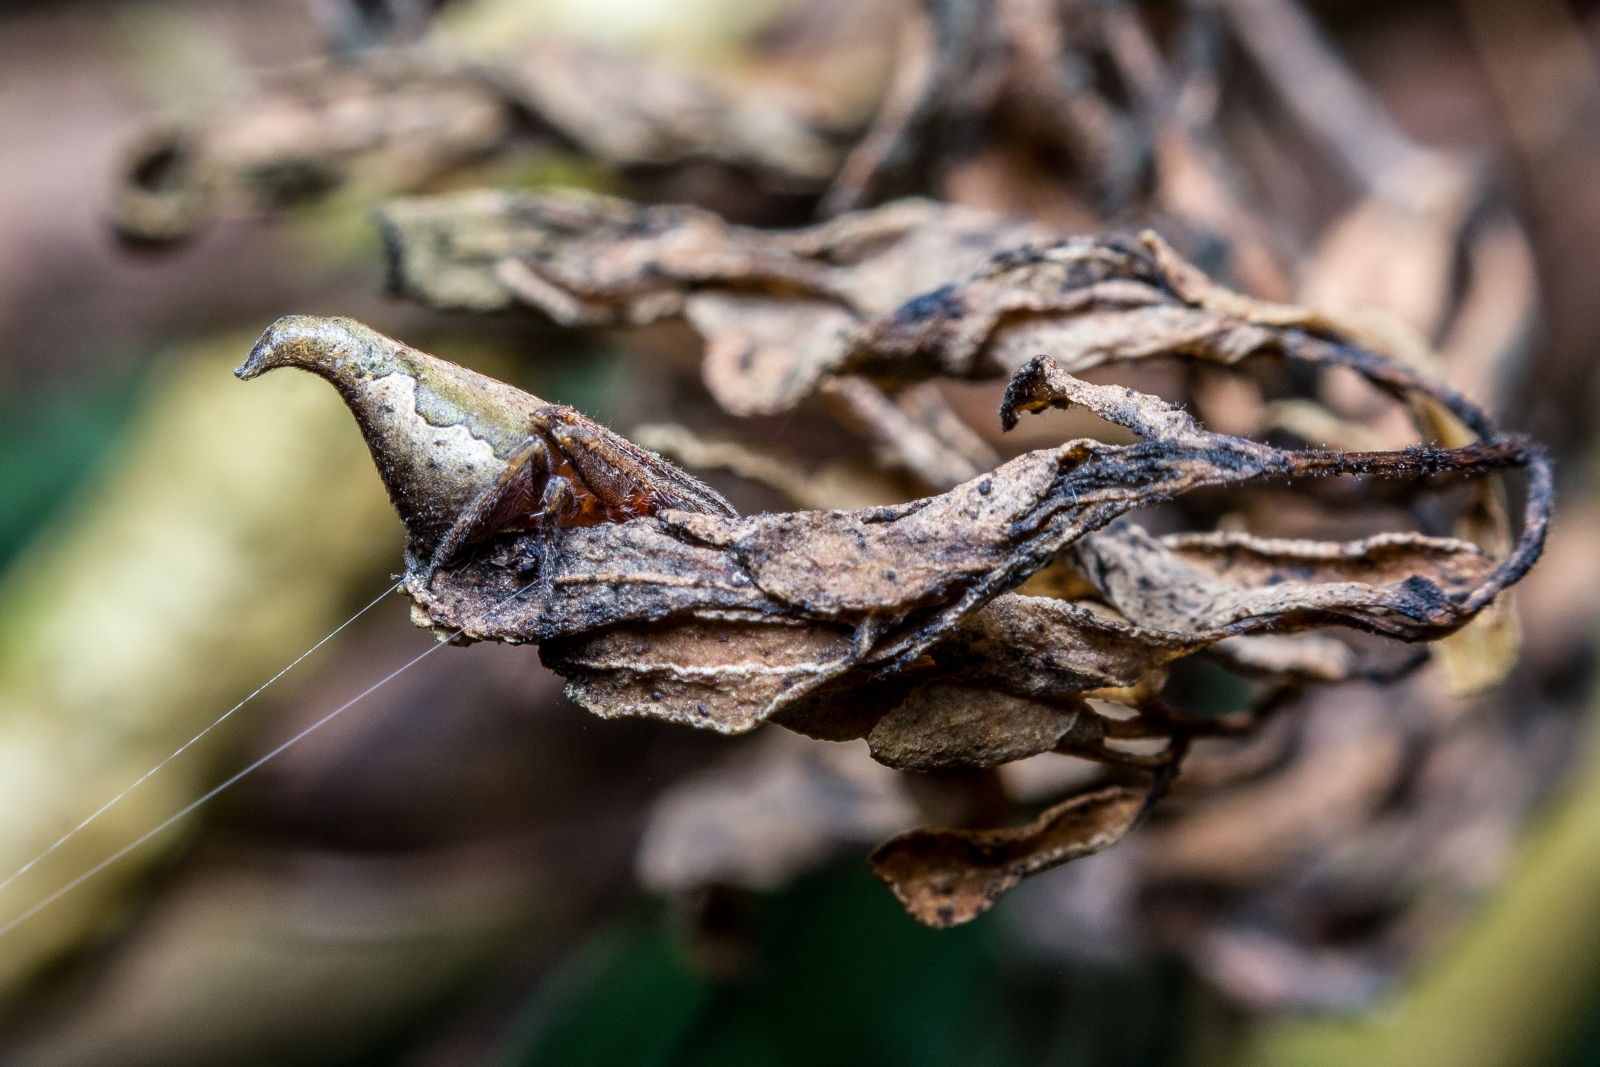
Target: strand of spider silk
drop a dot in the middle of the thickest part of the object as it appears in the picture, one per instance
(206, 797)
(108, 805)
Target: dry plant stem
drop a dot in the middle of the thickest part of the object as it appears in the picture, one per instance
(994, 63)
(893, 623)
(1324, 95)
(1193, 178)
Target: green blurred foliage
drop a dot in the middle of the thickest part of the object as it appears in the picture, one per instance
(1584, 1049)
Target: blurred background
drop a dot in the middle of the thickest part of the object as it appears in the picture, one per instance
(467, 869)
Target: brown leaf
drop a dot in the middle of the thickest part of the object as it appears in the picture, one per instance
(777, 310)
(728, 675)
(634, 113)
(1190, 583)
(887, 584)
(911, 290)
(942, 726)
(947, 877)
(390, 121)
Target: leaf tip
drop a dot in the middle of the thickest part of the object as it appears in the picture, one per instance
(1030, 390)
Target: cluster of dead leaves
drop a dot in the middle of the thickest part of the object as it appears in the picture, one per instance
(904, 625)
(1012, 650)
(1019, 612)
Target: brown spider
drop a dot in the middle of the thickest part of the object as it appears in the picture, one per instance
(571, 471)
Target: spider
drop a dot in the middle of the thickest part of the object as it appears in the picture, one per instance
(552, 467)
(571, 471)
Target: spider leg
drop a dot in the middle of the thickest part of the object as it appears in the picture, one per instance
(499, 502)
(621, 480)
(559, 497)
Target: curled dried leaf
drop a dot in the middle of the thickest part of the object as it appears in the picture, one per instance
(944, 725)
(391, 121)
(1393, 583)
(881, 587)
(634, 113)
(947, 877)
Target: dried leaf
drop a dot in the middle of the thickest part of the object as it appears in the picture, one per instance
(634, 113)
(728, 675)
(911, 290)
(391, 121)
(1388, 265)
(1190, 583)
(947, 877)
(880, 587)
(941, 726)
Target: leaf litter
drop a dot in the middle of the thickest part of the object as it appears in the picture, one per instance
(902, 624)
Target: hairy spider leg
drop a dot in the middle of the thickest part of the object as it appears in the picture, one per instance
(499, 505)
(600, 462)
(559, 496)
(568, 472)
